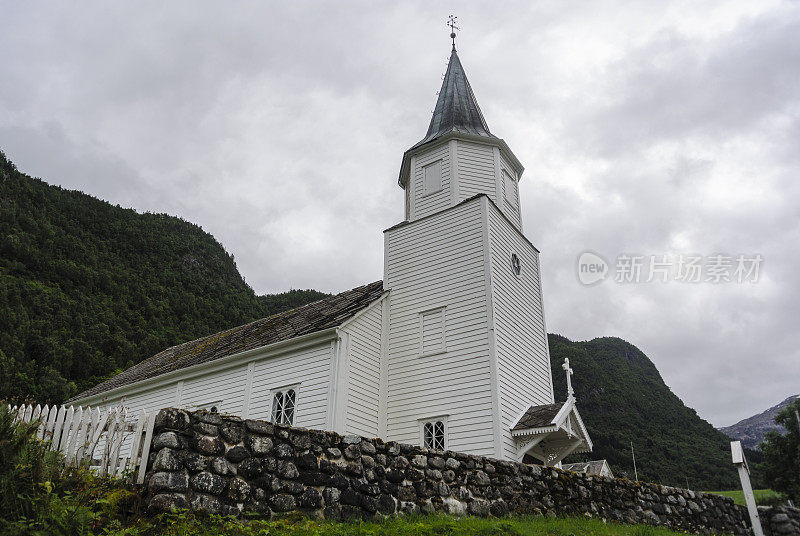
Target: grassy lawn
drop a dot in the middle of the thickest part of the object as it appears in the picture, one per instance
(763, 496)
(188, 525)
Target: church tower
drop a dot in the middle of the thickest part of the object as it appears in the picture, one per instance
(467, 354)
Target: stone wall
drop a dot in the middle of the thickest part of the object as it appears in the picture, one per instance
(221, 464)
(779, 520)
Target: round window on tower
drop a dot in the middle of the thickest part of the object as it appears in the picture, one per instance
(516, 265)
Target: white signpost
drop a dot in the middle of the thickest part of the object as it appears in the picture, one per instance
(744, 475)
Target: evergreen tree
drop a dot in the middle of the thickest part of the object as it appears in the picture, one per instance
(781, 453)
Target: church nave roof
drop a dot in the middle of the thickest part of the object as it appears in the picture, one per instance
(316, 316)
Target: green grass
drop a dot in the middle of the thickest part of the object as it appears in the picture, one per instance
(183, 524)
(763, 496)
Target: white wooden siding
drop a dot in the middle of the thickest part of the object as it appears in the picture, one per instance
(309, 367)
(432, 331)
(225, 389)
(523, 359)
(434, 263)
(153, 399)
(476, 170)
(511, 210)
(364, 375)
(434, 202)
(309, 370)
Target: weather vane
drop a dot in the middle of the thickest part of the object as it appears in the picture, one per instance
(451, 21)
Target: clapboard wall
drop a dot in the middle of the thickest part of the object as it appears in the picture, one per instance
(364, 371)
(428, 203)
(468, 168)
(476, 170)
(245, 388)
(431, 263)
(523, 359)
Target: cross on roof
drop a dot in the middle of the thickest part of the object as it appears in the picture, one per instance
(568, 370)
(451, 21)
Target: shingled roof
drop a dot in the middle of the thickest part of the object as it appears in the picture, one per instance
(594, 467)
(538, 416)
(317, 316)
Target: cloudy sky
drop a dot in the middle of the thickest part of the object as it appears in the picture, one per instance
(666, 128)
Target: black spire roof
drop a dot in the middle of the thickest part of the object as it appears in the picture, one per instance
(456, 109)
(457, 112)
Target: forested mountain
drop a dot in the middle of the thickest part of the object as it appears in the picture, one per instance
(622, 398)
(88, 288)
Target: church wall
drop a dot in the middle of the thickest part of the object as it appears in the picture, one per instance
(523, 359)
(431, 263)
(476, 170)
(309, 370)
(160, 397)
(431, 203)
(224, 389)
(364, 363)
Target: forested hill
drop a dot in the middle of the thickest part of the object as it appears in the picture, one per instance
(622, 398)
(88, 288)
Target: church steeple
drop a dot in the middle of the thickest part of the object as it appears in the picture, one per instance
(459, 157)
(457, 108)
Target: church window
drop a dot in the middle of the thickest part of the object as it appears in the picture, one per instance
(432, 331)
(434, 435)
(432, 177)
(510, 187)
(516, 265)
(283, 403)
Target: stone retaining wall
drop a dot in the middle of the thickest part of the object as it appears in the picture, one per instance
(779, 520)
(221, 464)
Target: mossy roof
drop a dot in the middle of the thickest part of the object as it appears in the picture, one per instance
(317, 316)
(538, 416)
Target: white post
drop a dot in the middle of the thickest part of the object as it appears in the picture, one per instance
(744, 475)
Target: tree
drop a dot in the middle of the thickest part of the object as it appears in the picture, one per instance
(781, 465)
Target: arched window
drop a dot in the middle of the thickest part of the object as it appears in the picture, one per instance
(433, 435)
(283, 403)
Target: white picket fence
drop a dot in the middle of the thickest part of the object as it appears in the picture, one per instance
(122, 444)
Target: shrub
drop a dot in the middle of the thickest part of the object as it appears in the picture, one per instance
(27, 468)
(41, 495)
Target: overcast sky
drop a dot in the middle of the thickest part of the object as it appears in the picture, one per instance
(646, 128)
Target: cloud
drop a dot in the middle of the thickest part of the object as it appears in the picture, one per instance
(650, 129)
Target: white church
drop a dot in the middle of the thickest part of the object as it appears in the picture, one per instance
(449, 351)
